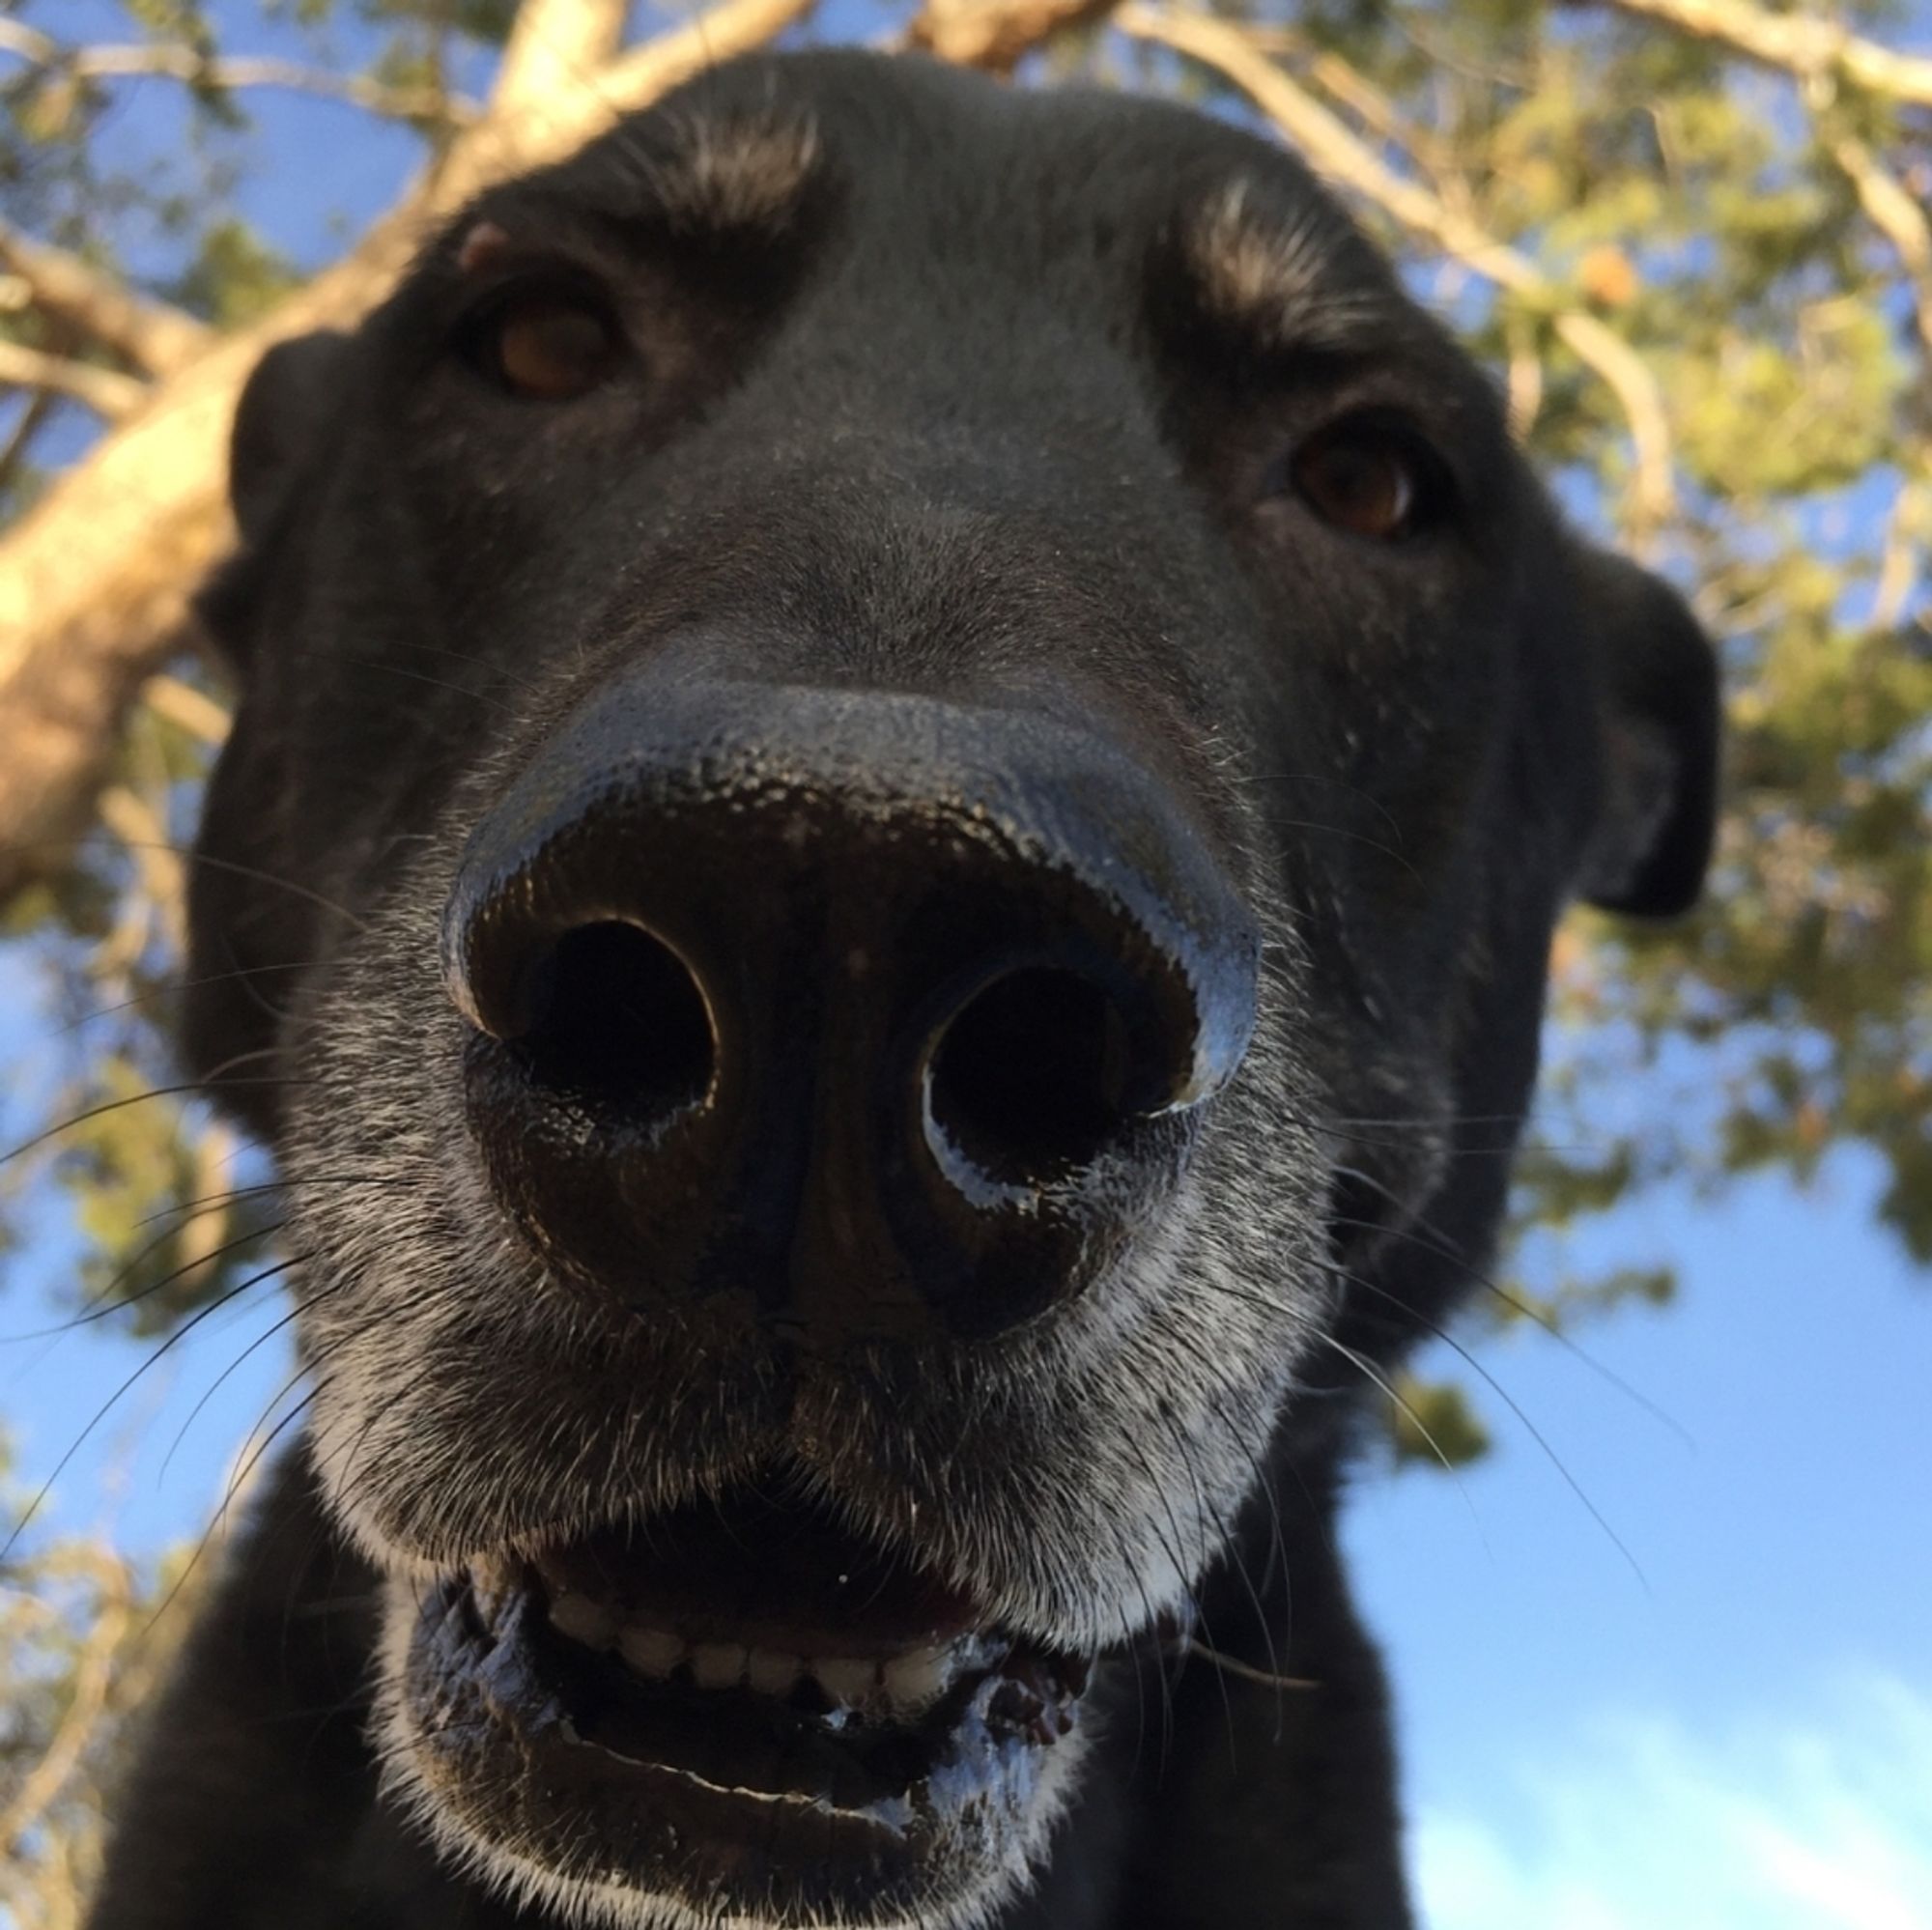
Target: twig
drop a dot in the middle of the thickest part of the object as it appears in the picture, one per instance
(1798, 43)
(154, 337)
(1339, 153)
(1893, 211)
(104, 391)
(187, 708)
(232, 73)
(94, 1677)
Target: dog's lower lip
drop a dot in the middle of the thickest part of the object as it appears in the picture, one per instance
(696, 1718)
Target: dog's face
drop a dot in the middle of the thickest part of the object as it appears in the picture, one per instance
(906, 755)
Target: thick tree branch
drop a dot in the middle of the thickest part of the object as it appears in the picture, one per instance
(154, 337)
(227, 73)
(557, 48)
(1798, 43)
(529, 138)
(1336, 152)
(108, 394)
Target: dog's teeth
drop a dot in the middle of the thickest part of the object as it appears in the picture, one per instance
(584, 1621)
(913, 1680)
(771, 1673)
(845, 1679)
(652, 1652)
(717, 1665)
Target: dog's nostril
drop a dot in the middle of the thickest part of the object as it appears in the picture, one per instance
(1030, 1077)
(619, 1019)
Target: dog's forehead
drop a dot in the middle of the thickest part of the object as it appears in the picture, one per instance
(928, 160)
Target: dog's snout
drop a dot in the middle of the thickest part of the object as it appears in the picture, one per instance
(882, 1014)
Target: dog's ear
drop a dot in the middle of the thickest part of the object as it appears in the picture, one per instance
(292, 394)
(296, 388)
(1657, 722)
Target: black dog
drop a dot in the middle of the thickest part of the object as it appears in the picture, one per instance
(906, 755)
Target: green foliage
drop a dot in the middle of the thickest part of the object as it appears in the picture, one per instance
(234, 277)
(1433, 1424)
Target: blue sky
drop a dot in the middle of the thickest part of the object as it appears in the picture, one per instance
(1740, 1737)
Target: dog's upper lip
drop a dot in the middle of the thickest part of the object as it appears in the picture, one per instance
(760, 1571)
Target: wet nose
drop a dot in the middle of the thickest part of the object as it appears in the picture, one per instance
(880, 1014)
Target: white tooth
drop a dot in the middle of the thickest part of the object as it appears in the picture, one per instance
(771, 1673)
(914, 1680)
(584, 1621)
(651, 1652)
(846, 1678)
(717, 1665)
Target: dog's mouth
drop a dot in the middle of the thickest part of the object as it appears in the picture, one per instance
(738, 1703)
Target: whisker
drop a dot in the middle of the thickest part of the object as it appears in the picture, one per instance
(173, 1340)
(1268, 1678)
(105, 1305)
(1442, 1245)
(212, 1080)
(1368, 1371)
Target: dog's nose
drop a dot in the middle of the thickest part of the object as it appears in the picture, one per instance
(886, 1014)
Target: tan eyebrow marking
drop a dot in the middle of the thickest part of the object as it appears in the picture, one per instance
(735, 172)
(1272, 281)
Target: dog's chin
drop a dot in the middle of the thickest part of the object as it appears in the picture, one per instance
(734, 1714)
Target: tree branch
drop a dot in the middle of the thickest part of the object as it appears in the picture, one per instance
(1336, 152)
(154, 337)
(1891, 209)
(994, 34)
(1798, 43)
(176, 61)
(557, 47)
(93, 1679)
(550, 128)
(104, 391)
(188, 709)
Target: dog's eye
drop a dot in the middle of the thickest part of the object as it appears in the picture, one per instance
(1369, 477)
(547, 346)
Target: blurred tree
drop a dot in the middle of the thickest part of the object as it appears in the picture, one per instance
(1690, 236)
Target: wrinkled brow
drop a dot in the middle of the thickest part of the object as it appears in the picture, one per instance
(1284, 281)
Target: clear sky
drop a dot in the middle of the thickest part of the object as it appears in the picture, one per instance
(1740, 1739)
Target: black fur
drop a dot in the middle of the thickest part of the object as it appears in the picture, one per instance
(962, 416)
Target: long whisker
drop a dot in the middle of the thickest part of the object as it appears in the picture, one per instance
(1368, 1369)
(1431, 1239)
(179, 1334)
(106, 1303)
(1503, 1393)
(215, 1078)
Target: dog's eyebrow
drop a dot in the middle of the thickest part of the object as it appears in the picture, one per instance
(1276, 279)
(722, 173)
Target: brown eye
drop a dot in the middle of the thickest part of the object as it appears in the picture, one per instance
(1365, 477)
(548, 347)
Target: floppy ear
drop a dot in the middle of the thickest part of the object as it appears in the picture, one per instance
(279, 423)
(294, 392)
(1658, 718)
